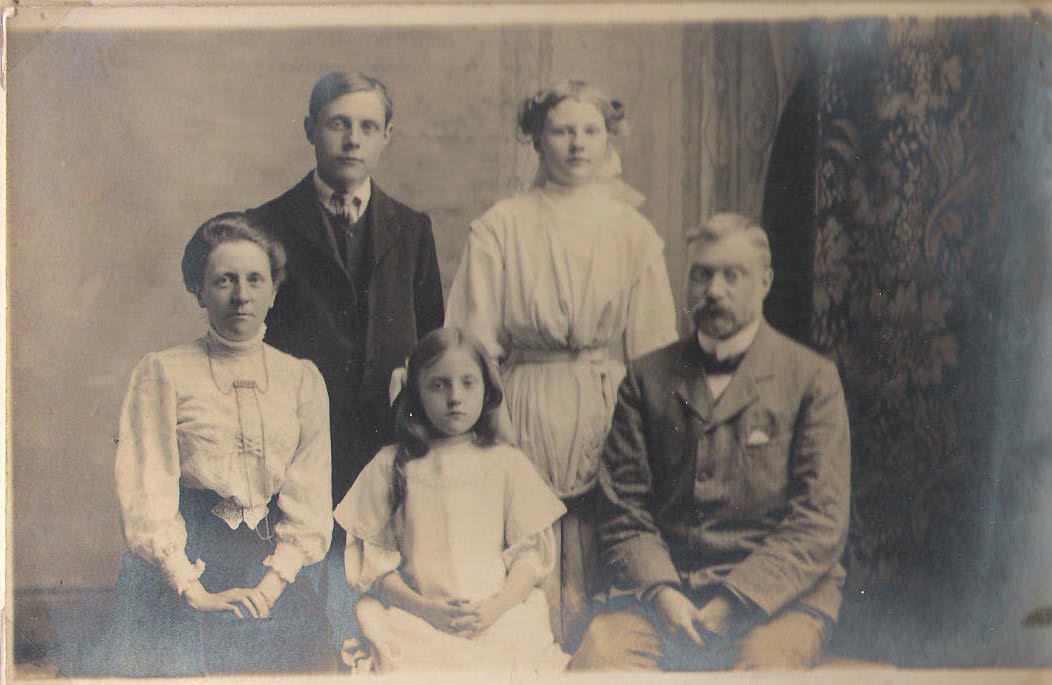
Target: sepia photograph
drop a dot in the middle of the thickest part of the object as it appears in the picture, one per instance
(519, 342)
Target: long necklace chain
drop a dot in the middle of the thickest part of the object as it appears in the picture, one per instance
(245, 452)
(235, 388)
(238, 382)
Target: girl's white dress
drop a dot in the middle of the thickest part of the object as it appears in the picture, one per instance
(470, 513)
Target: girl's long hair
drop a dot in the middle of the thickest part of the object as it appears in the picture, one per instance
(413, 430)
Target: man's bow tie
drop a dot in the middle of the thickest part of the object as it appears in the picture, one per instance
(715, 367)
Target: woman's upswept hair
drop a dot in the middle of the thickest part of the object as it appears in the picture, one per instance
(413, 430)
(227, 228)
(533, 112)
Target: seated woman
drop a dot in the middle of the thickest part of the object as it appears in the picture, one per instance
(223, 471)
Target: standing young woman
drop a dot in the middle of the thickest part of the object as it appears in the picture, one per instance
(562, 284)
(223, 471)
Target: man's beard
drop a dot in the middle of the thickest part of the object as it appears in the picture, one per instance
(719, 322)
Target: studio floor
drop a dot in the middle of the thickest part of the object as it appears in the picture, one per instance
(835, 671)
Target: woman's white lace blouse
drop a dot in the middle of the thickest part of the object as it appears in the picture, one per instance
(181, 425)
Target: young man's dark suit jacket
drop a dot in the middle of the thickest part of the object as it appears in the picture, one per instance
(750, 492)
(316, 312)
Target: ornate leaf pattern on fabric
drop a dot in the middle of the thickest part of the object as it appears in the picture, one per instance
(907, 185)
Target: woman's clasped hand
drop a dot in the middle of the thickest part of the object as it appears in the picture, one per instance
(243, 602)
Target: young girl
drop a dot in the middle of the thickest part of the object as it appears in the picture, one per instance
(450, 528)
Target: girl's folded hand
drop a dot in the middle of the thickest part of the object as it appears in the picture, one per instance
(452, 616)
(485, 611)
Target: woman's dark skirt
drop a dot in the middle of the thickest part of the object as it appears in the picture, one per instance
(156, 633)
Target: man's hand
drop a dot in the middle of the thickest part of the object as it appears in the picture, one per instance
(678, 614)
(715, 616)
(684, 620)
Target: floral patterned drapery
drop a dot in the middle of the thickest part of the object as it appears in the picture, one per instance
(917, 121)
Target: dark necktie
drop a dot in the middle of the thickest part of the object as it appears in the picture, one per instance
(350, 211)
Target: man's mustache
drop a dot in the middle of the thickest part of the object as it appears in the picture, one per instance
(707, 310)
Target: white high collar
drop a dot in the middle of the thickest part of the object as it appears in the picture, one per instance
(732, 346)
(220, 345)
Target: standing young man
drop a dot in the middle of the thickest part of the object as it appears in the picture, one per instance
(363, 285)
(363, 281)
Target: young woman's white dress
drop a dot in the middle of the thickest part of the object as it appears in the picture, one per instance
(562, 285)
(470, 513)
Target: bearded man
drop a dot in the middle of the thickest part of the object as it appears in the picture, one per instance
(725, 484)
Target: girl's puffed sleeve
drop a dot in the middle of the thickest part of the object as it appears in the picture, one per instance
(651, 309)
(147, 471)
(530, 509)
(305, 500)
(476, 297)
(372, 532)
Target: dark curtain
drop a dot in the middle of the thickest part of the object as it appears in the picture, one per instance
(789, 211)
(920, 166)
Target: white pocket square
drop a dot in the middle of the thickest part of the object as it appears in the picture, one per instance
(757, 438)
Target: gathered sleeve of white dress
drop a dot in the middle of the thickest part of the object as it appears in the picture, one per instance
(530, 509)
(365, 513)
(147, 471)
(651, 321)
(538, 551)
(305, 500)
(476, 297)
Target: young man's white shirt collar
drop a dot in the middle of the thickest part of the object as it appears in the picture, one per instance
(363, 193)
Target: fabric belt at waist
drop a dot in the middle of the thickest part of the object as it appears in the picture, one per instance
(596, 355)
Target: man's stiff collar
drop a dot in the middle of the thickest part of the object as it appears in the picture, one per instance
(735, 345)
(325, 192)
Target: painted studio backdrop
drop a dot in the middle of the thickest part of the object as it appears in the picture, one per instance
(902, 168)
